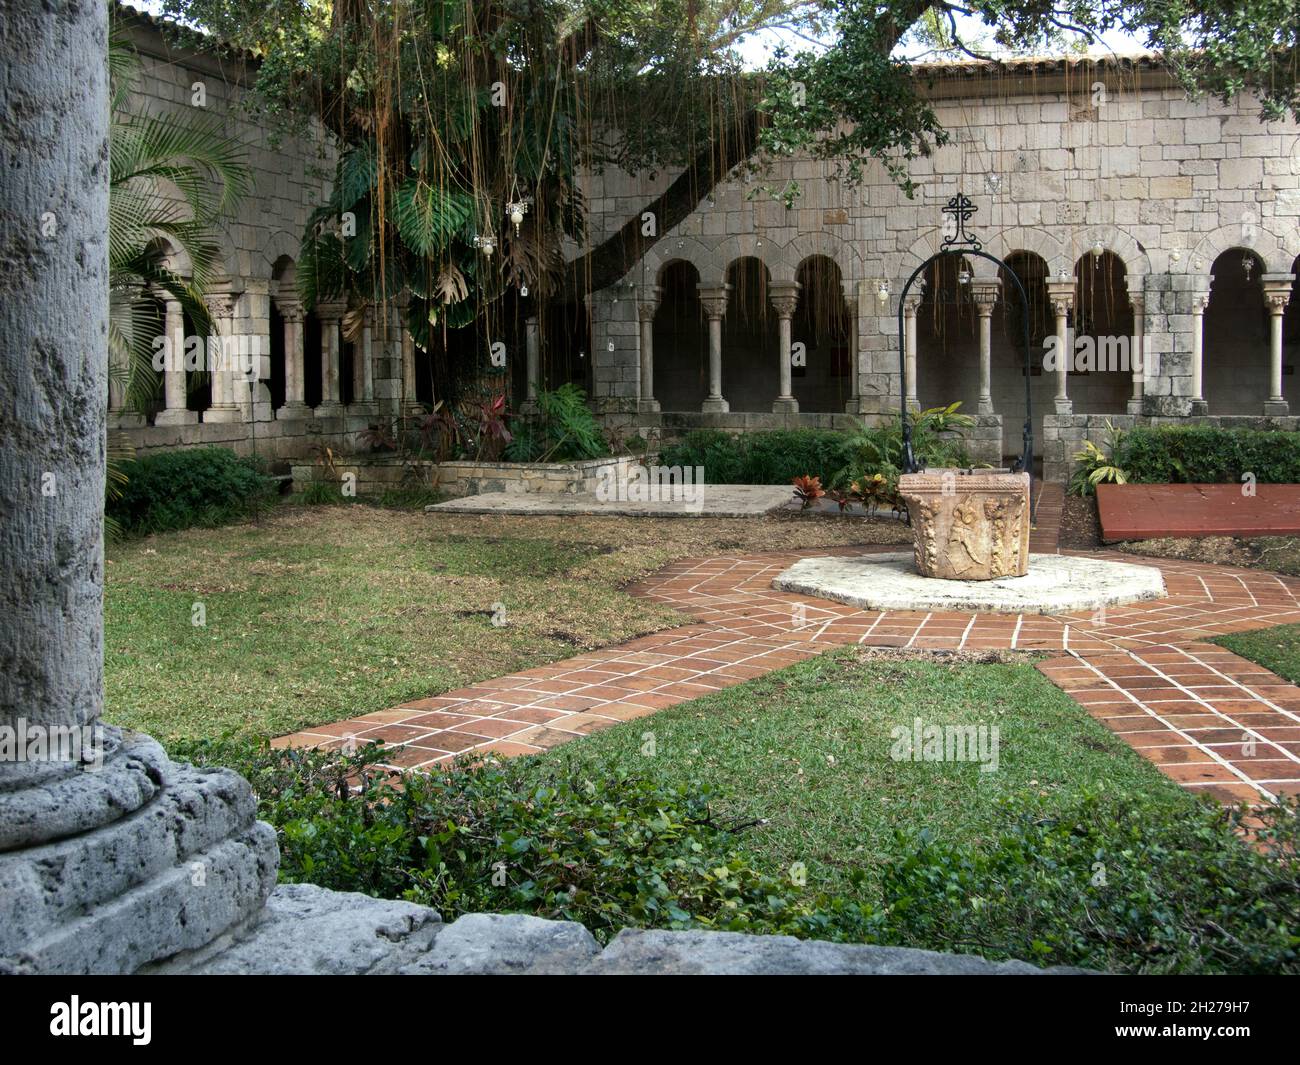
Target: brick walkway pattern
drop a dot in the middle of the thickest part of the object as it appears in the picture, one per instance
(1209, 719)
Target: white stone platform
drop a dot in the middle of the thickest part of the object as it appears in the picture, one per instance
(711, 501)
(1055, 584)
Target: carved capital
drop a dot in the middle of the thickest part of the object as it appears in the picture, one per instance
(784, 297)
(714, 301)
(290, 310)
(985, 294)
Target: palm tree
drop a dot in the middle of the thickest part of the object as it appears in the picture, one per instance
(171, 179)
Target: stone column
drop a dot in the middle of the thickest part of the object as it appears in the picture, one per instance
(784, 297)
(1277, 294)
(111, 856)
(532, 363)
(645, 312)
(410, 393)
(1138, 354)
(909, 351)
(331, 315)
(1061, 293)
(174, 411)
(986, 297)
(295, 383)
(363, 369)
(222, 363)
(714, 302)
(1199, 302)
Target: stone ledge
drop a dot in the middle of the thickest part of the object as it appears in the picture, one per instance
(308, 930)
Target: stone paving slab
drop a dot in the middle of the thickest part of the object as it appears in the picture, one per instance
(710, 501)
(1054, 584)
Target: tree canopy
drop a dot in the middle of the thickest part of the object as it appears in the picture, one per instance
(447, 111)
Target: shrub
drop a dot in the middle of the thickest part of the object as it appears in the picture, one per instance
(773, 457)
(605, 848)
(1116, 882)
(177, 489)
(1206, 454)
(1097, 465)
(876, 457)
(1119, 882)
(563, 429)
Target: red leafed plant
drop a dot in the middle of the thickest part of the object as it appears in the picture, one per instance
(841, 497)
(808, 490)
(493, 436)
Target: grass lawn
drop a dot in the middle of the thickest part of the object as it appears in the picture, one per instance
(806, 752)
(1277, 649)
(322, 613)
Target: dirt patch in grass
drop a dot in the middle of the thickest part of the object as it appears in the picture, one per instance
(1278, 554)
(320, 613)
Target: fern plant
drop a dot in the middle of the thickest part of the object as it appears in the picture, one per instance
(562, 430)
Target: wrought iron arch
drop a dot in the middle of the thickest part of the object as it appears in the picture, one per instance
(959, 245)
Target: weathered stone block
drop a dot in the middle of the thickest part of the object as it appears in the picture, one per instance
(970, 526)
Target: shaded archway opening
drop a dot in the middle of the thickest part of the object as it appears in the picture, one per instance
(198, 381)
(1291, 343)
(681, 340)
(1235, 335)
(750, 339)
(1007, 362)
(947, 336)
(313, 385)
(1101, 377)
(821, 323)
(275, 382)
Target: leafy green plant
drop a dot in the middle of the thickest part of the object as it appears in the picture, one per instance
(770, 457)
(604, 847)
(1109, 884)
(876, 459)
(1096, 466)
(178, 489)
(563, 429)
(1207, 454)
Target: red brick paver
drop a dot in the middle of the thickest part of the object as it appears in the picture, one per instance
(1208, 718)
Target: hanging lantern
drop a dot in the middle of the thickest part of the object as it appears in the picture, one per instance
(1247, 265)
(516, 209)
(882, 293)
(963, 276)
(1097, 250)
(523, 290)
(487, 245)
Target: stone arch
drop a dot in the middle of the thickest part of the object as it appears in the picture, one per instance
(785, 267)
(1137, 264)
(172, 256)
(1265, 243)
(1047, 247)
(279, 246)
(667, 251)
(741, 246)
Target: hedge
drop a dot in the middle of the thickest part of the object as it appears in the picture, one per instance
(1206, 454)
(770, 457)
(177, 489)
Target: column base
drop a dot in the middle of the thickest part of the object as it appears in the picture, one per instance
(984, 406)
(785, 405)
(176, 417)
(223, 414)
(329, 410)
(293, 411)
(1276, 407)
(1063, 406)
(715, 405)
(363, 409)
(126, 420)
(1200, 408)
(190, 862)
(648, 406)
(528, 406)
(1134, 406)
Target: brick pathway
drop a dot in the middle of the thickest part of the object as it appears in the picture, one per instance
(1208, 718)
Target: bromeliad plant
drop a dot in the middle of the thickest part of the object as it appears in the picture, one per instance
(808, 490)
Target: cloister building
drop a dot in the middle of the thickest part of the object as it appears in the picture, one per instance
(1158, 233)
